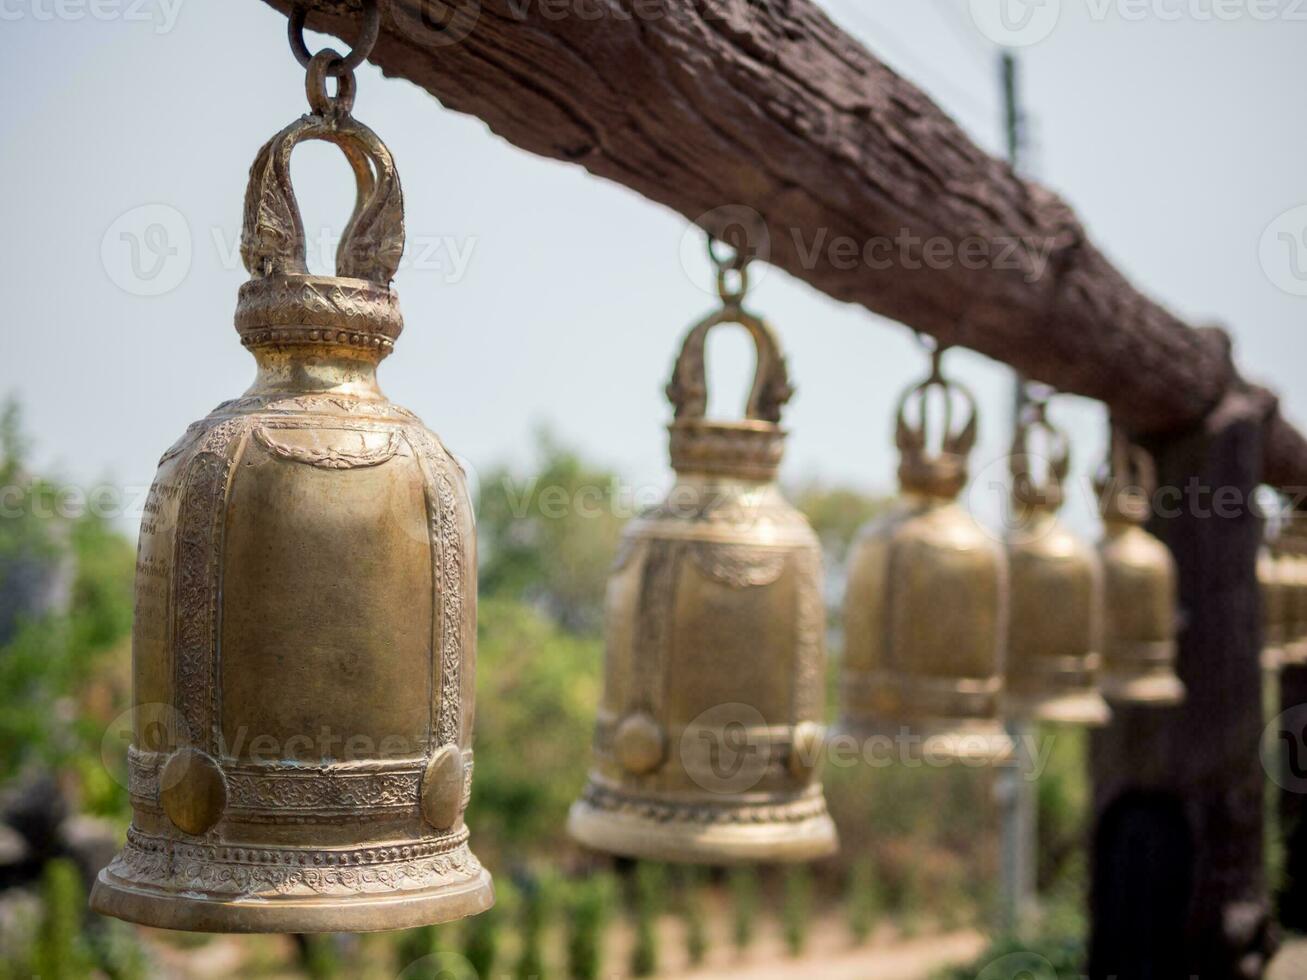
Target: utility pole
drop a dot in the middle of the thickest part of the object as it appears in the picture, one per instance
(1016, 782)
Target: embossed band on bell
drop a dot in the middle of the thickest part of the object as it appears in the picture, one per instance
(708, 739)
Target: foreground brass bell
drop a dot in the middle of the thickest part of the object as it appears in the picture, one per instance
(925, 614)
(305, 609)
(709, 731)
(1141, 592)
(1056, 628)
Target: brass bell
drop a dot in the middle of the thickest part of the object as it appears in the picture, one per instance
(709, 732)
(1275, 597)
(1056, 628)
(1141, 592)
(925, 613)
(1291, 568)
(305, 626)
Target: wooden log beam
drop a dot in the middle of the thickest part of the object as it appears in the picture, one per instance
(868, 191)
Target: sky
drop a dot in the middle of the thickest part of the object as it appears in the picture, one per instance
(539, 297)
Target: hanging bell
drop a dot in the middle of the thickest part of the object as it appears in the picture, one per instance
(709, 733)
(305, 623)
(1291, 568)
(1055, 630)
(925, 612)
(1141, 592)
(1275, 589)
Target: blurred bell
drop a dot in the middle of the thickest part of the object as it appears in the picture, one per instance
(709, 734)
(925, 612)
(305, 626)
(1055, 630)
(1141, 595)
(1275, 587)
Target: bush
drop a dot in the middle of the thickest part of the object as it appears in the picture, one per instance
(60, 952)
(650, 884)
(863, 900)
(744, 906)
(588, 907)
(798, 908)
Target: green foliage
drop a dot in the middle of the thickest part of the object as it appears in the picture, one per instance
(118, 951)
(588, 904)
(692, 913)
(61, 952)
(836, 514)
(535, 895)
(650, 900)
(549, 538)
(744, 906)
(863, 900)
(1065, 955)
(481, 935)
(797, 912)
(412, 945)
(537, 688)
(320, 957)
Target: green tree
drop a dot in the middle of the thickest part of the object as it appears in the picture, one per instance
(797, 912)
(650, 900)
(588, 907)
(744, 906)
(863, 900)
(531, 925)
(692, 913)
(60, 952)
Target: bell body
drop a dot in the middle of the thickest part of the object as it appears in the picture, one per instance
(303, 657)
(709, 733)
(305, 621)
(1055, 633)
(1140, 600)
(925, 615)
(1275, 609)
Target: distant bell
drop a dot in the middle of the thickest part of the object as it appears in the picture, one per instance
(709, 738)
(1056, 630)
(926, 609)
(305, 629)
(1141, 597)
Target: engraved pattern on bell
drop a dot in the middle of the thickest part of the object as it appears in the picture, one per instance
(926, 607)
(1055, 629)
(306, 600)
(709, 730)
(1141, 592)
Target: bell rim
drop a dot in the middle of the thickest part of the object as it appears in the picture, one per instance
(1079, 708)
(1157, 690)
(688, 842)
(962, 740)
(194, 912)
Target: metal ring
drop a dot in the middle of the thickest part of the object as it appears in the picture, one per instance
(737, 261)
(367, 39)
(315, 85)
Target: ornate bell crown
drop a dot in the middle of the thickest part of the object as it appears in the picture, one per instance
(749, 449)
(1126, 482)
(940, 472)
(1027, 491)
(283, 305)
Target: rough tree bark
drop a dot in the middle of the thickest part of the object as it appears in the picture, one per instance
(698, 104)
(1178, 883)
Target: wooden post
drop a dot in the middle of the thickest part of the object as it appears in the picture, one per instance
(1178, 885)
(1292, 899)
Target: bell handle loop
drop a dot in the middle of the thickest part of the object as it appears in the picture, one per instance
(1034, 417)
(958, 442)
(272, 238)
(339, 65)
(1131, 466)
(771, 389)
